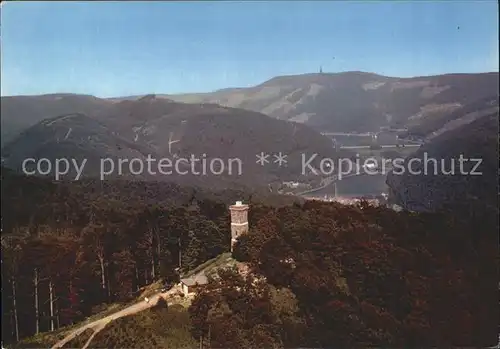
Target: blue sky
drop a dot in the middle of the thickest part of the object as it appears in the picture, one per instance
(126, 48)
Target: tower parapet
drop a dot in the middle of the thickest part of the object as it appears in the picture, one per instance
(239, 221)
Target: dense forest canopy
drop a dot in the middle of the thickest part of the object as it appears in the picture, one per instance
(67, 247)
(321, 274)
(358, 276)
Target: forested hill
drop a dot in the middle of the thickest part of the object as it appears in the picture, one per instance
(359, 276)
(201, 145)
(439, 179)
(334, 275)
(347, 101)
(36, 200)
(86, 243)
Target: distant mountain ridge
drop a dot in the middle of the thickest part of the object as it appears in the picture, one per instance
(334, 102)
(355, 101)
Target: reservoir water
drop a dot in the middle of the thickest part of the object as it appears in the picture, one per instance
(366, 185)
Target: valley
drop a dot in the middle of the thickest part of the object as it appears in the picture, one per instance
(156, 126)
(175, 217)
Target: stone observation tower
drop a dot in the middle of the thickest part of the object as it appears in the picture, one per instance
(239, 221)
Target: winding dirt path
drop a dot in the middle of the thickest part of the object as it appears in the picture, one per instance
(98, 325)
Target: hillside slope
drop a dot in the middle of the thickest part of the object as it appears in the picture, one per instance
(445, 184)
(225, 142)
(21, 112)
(431, 127)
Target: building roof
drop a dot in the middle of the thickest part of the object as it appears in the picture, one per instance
(200, 279)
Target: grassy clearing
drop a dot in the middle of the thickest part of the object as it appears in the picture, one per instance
(79, 341)
(140, 330)
(47, 339)
(220, 260)
(149, 290)
(159, 327)
(41, 340)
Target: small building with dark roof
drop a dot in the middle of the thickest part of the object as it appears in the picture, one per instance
(190, 284)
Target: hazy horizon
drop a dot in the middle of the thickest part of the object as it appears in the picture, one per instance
(126, 49)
